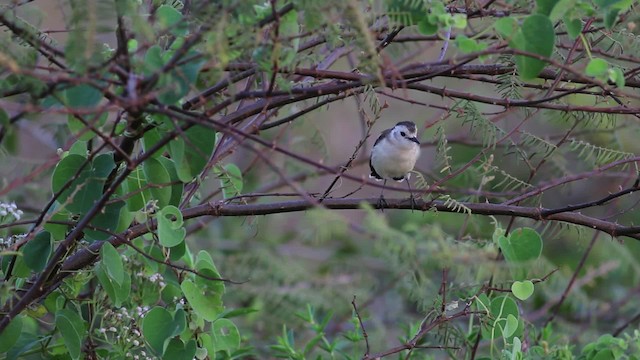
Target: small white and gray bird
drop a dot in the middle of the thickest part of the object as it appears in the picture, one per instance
(394, 154)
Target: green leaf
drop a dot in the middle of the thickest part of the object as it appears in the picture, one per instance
(501, 307)
(72, 328)
(425, 27)
(170, 226)
(207, 342)
(535, 36)
(617, 76)
(225, 336)
(87, 187)
(168, 16)
(176, 349)
(574, 27)
(37, 251)
(179, 322)
(58, 232)
(522, 289)
(560, 9)
(153, 60)
(597, 67)
(544, 7)
(82, 96)
(155, 329)
(230, 180)
(178, 187)
(459, 21)
(610, 18)
(511, 326)
(158, 178)
(523, 244)
(151, 138)
(506, 27)
(81, 131)
(206, 305)
(112, 262)
(117, 293)
(192, 153)
(136, 197)
(10, 334)
(467, 45)
(108, 219)
(205, 265)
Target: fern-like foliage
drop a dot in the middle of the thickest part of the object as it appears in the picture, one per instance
(590, 119)
(480, 125)
(371, 98)
(454, 205)
(505, 181)
(443, 151)
(598, 155)
(405, 12)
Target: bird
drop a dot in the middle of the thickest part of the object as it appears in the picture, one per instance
(394, 155)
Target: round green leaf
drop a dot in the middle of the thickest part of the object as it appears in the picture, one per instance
(136, 197)
(523, 244)
(82, 96)
(72, 328)
(10, 334)
(178, 350)
(225, 335)
(536, 35)
(37, 251)
(168, 16)
(112, 262)
(206, 304)
(192, 151)
(522, 289)
(87, 187)
(511, 326)
(158, 178)
(107, 219)
(178, 187)
(506, 27)
(596, 67)
(501, 307)
(170, 226)
(155, 329)
(117, 293)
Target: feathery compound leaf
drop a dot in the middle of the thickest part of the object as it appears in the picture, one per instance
(479, 124)
(442, 150)
(454, 205)
(597, 154)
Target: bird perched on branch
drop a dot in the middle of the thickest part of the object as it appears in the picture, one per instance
(394, 155)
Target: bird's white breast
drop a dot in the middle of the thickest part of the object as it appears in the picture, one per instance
(392, 160)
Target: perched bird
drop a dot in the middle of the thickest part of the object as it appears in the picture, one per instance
(394, 154)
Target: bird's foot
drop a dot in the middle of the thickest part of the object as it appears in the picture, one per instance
(382, 203)
(414, 202)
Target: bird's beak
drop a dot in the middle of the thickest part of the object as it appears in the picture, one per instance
(415, 140)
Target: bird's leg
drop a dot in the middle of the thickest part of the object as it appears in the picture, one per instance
(382, 203)
(411, 198)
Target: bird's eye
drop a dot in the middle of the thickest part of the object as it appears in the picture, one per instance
(403, 133)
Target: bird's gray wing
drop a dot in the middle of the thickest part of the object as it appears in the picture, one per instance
(375, 174)
(382, 136)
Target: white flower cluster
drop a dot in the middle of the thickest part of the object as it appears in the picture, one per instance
(154, 278)
(10, 209)
(8, 242)
(121, 327)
